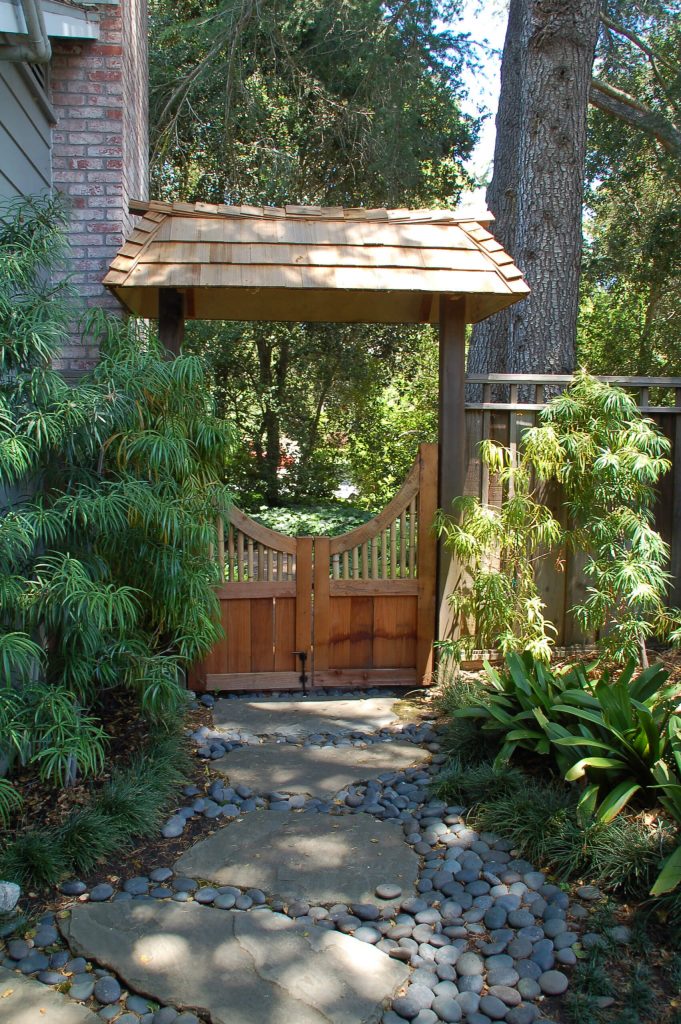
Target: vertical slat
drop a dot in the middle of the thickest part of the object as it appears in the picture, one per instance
(675, 562)
(336, 567)
(346, 566)
(267, 561)
(374, 558)
(385, 553)
(220, 545)
(230, 551)
(321, 604)
(280, 565)
(427, 564)
(355, 563)
(240, 555)
(513, 436)
(412, 537)
(403, 543)
(365, 560)
(486, 430)
(644, 396)
(393, 550)
(304, 594)
(251, 560)
(452, 447)
(261, 562)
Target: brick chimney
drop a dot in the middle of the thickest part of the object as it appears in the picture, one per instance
(99, 92)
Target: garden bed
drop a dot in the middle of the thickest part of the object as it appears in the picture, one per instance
(614, 981)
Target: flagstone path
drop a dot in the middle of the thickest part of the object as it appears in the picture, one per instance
(336, 889)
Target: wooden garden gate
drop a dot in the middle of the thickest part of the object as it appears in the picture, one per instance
(349, 611)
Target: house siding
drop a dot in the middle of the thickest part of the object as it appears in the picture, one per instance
(25, 135)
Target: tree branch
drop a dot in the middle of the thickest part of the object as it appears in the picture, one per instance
(622, 30)
(626, 108)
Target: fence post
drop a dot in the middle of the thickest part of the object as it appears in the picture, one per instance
(452, 438)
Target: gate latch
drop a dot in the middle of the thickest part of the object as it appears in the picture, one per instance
(303, 674)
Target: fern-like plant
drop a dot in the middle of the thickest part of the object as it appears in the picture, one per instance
(606, 459)
(112, 488)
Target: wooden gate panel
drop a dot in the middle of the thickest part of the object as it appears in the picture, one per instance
(395, 629)
(351, 631)
(362, 605)
(374, 591)
(262, 634)
(285, 634)
(265, 606)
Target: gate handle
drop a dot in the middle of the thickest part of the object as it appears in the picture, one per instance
(303, 675)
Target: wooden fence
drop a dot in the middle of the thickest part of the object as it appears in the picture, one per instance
(502, 406)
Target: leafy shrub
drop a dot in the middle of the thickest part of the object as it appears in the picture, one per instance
(106, 578)
(542, 821)
(511, 706)
(606, 458)
(131, 804)
(619, 738)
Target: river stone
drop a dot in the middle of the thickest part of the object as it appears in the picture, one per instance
(25, 1001)
(318, 771)
(9, 896)
(234, 968)
(313, 857)
(298, 719)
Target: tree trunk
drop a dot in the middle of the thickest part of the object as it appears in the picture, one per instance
(537, 185)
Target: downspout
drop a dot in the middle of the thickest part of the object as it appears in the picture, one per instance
(37, 50)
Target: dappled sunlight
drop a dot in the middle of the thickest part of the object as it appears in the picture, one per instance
(160, 950)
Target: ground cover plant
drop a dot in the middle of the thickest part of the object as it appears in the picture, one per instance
(614, 738)
(111, 491)
(328, 520)
(592, 443)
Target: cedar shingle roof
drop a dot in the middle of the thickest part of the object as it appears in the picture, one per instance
(312, 263)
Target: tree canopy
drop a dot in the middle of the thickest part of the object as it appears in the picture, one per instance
(308, 101)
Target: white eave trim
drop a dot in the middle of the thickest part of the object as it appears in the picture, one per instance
(61, 20)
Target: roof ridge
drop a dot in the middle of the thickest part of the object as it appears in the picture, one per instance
(341, 213)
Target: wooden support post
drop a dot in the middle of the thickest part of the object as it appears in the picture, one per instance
(427, 564)
(675, 566)
(452, 437)
(321, 612)
(171, 319)
(303, 628)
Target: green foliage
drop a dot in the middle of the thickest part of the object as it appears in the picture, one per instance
(311, 520)
(318, 405)
(10, 800)
(130, 805)
(617, 733)
(621, 735)
(313, 101)
(105, 573)
(33, 858)
(630, 318)
(521, 701)
(541, 819)
(307, 101)
(499, 548)
(607, 458)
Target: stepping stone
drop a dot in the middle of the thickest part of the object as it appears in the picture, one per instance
(237, 968)
(316, 857)
(24, 1001)
(319, 772)
(297, 719)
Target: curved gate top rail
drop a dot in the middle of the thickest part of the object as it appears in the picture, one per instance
(352, 610)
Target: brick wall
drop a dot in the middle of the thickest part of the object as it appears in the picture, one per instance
(99, 157)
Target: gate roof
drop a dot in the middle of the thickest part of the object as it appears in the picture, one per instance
(311, 263)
